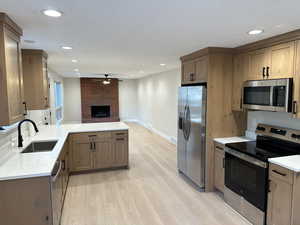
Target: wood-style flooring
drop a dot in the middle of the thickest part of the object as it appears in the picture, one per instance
(151, 192)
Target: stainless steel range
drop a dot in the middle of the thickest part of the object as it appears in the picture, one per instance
(246, 169)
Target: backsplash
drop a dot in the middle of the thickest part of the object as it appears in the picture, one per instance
(272, 118)
(9, 138)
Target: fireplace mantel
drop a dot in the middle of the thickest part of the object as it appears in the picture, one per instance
(97, 96)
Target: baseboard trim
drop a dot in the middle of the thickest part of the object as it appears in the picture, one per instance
(170, 139)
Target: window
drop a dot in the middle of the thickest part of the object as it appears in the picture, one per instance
(58, 101)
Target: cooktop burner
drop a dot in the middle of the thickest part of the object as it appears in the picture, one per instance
(266, 147)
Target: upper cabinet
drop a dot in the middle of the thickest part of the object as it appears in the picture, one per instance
(195, 71)
(12, 107)
(274, 62)
(36, 84)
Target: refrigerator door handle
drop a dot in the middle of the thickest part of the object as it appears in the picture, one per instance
(188, 116)
(184, 123)
(180, 121)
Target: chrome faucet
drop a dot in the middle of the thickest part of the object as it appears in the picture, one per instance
(20, 138)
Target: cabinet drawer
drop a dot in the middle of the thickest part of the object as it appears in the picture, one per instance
(91, 136)
(281, 173)
(120, 134)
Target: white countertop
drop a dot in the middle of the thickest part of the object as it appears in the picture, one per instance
(228, 140)
(291, 162)
(37, 164)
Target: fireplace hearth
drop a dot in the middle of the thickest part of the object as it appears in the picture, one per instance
(100, 111)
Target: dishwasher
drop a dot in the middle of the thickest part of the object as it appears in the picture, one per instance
(57, 192)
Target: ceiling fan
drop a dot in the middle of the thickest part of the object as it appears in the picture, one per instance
(106, 80)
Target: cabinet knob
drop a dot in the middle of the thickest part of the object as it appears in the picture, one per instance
(268, 70)
(191, 77)
(264, 72)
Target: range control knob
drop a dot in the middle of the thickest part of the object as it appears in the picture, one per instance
(296, 136)
(260, 128)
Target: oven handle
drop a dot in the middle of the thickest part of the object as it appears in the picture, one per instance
(245, 157)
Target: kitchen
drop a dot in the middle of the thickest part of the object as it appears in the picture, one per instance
(176, 137)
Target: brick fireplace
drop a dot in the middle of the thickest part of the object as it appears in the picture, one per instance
(99, 102)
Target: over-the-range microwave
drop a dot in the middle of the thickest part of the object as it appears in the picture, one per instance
(268, 95)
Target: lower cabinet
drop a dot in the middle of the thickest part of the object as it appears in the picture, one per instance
(219, 171)
(99, 150)
(283, 196)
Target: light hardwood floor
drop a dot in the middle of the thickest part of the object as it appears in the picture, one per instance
(151, 192)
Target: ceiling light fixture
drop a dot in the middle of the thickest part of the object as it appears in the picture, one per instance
(106, 80)
(76, 70)
(74, 60)
(29, 41)
(52, 13)
(66, 47)
(255, 32)
(162, 64)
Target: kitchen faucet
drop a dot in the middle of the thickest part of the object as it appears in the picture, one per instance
(20, 138)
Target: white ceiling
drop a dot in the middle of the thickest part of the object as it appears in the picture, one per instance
(127, 37)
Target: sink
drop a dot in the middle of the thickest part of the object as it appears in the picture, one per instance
(43, 146)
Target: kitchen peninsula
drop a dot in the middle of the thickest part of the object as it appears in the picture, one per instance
(40, 178)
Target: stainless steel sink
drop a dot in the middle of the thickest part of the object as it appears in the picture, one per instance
(43, 146)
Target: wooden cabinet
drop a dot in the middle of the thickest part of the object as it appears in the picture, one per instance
(282, 60)
(274, 62)
(283, 196)
(104, 154)
(219, 168)
(99, 150)
(36, 83)
(296, 92)
(81, 155)
(240, 73)
(11, 87)
(258, 62)
(195, 71)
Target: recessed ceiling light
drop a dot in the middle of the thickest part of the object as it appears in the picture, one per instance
(162, 64)
(76, 70)
(52, 13)
(255, 32)
(66, 47)
(142, 71)
(74, 60)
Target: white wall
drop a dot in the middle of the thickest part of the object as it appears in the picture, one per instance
(157, 97)
(72, 100)
(272, 118)
(128, 100)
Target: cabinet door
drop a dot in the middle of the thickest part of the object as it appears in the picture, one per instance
(104, 155)
(279, 202)
(121, 149)
(188, 72)
(201, 70)
(219, 168)
(81, 155)
(45, 83)
(240, 72)
(282, 60)
(14, 78)
(258, 60)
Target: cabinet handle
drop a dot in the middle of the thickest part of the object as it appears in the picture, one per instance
(269, 185)
(63, 165)
(279, 173)
(219, 148)
(294, 107)
(25, 107)
(94, 144)
(120, 139)
(268, 70)
(191, 77)
(91, 146)
(120, 133)
(223, 162)
(264, 72)
(92, 135)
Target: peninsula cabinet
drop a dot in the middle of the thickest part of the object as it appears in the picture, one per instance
(12, 107)
(99, 150)
(36, 82)
(283, 196)
(274, 62)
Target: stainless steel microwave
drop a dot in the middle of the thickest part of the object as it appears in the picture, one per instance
(268, 95)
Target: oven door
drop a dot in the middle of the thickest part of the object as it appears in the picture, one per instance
(247, 177)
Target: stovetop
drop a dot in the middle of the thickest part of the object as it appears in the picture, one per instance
(266, 147)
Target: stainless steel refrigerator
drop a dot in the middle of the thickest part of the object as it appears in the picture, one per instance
(192, 133)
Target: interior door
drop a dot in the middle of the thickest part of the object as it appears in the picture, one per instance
(181, 142)
(196, 128)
